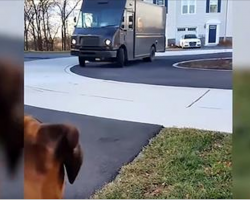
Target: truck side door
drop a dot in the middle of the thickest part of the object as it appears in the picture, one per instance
(129, 33)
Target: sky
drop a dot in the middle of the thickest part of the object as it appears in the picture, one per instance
(56, 18)
(13, 25)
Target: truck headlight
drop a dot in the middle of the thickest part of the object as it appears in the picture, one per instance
(73, 41)
(107, 42)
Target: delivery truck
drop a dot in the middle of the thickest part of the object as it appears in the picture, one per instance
(118, 31)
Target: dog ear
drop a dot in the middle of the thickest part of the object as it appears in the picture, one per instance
(73, 153)
(64, 140)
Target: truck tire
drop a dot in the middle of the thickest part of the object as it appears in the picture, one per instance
(152, 55)
(121, 59)
(82, 61)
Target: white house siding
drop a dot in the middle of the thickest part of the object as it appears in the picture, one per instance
(171, 22)
(229, 29)
(199, 20)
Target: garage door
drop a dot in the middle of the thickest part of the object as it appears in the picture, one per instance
(182, 31)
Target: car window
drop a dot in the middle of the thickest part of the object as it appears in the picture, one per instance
(190, 36)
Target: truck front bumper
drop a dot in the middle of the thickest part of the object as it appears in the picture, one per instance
(94, 54)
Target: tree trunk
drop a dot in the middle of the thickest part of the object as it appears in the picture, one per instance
(62, 37)
(45, 34)
(26, 45)
(65, 38)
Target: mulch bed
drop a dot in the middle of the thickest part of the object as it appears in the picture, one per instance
(225, 64)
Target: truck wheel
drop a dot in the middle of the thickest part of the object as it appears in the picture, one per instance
(120, 57)
(81, 61)
(152, 55)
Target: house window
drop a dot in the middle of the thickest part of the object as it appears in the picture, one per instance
(181, 29)
(149, 1)
(157, 2)
(191, 29)
(188, 6)
(160, 2)
(213, 7)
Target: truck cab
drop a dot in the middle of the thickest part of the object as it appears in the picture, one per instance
(117, 30)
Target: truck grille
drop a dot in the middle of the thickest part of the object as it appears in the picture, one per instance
(192, 44)
(94, 48)
(89, 41)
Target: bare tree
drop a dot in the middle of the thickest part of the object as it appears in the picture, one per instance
(40, 30)
(26, 26)
(44, 10)
(65, 10)
(29, 23)
(37, 23)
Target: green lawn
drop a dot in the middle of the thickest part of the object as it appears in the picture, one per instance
(178, 163)
(241, 138)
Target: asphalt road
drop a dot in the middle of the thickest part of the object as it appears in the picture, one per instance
(107, 144)
(161, 72)
(30, 56)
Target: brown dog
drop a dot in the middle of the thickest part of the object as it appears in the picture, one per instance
(48, 148)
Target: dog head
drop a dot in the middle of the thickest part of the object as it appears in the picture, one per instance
(48, 149)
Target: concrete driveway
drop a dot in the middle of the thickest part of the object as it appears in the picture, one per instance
(117, 119)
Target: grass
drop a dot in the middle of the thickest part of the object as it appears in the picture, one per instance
(178, 163)
(225, 64)
(241, 138)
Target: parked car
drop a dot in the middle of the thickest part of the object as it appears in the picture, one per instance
(190, 40)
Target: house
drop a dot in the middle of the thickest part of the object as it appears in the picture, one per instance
(211, 20)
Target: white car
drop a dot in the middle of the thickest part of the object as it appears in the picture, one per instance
(190, 40)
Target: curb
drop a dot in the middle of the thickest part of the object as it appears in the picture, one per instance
(193, 52)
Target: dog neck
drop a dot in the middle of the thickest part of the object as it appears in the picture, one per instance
(43, 173)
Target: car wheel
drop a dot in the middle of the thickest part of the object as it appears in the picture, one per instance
(121, 59)
(152, 55)
(182, 46)
(82, 61)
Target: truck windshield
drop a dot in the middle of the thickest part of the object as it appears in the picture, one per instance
(97, 15)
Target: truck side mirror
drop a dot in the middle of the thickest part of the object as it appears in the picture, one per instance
(75, 19)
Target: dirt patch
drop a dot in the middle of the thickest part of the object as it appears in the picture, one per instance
(221, 64)
(227, 43)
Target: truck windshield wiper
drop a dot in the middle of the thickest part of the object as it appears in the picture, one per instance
(109, 25)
